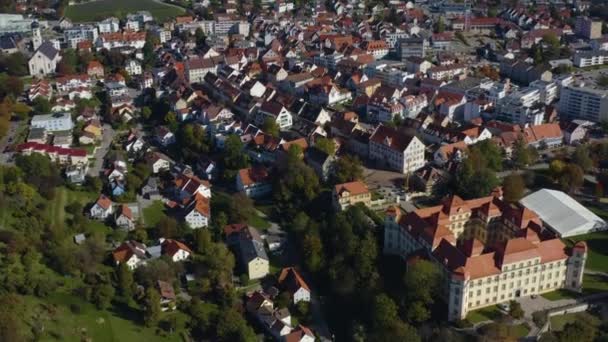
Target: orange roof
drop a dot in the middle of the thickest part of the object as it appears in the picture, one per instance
(292, 280)
(104, 202)
(253, 175)
(170, 247)
(354, 188)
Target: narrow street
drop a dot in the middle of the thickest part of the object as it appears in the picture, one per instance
(101, 151)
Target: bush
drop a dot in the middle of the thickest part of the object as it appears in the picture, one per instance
(462, 324)
(75, 308)
(244, 279)
(539, 318)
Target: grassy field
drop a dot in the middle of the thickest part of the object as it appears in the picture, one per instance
(153, 213)
(66, 317)
(560, 294)
(558, 322)
(594, 284)
(597, 258)
(259, 222)
(100, 9)
(486, 314)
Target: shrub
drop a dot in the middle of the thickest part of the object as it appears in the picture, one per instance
(75, 308)
(539, 318)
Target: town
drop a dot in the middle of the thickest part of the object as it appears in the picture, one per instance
(291, 170)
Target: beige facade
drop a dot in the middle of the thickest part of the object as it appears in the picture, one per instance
(490, 251)
(347, 194)
(257, 268)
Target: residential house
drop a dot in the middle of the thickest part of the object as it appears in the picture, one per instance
(131, 253)
(167, 296)
(124, 217)
(397, 150)
(291, 281)
(158, 162)
(347, 194)
(150, 189)
(321, 162)
(249, 248)
(176, 250)
(254, 181)
(95, 69)
(300, 334)
(101, 209)
(275, 111)
(164, 136)
(197, 213)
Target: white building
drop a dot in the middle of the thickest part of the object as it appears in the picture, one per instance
(396, 150)
(109, 25)
(488, 252)
(80, 33)
(583, 59)
(522, 107)
(44, 61)
(133, 67)
(580, 102)
(563, 214)
(53, 122)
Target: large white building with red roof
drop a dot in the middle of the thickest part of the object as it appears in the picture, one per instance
(490, 251)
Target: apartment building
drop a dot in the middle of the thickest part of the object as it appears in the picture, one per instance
(80, 33)
(396, 150)
(581, 102)
(53, 122)
(588, 28)
(583, 59)
(522, 107)
(412, 47)
(346, 194)
(489, 251)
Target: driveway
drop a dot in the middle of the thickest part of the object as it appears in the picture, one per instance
(530, 305)
(101, 150)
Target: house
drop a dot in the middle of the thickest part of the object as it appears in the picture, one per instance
(300, 334)
(101, 209)
(188, 186)
(395, 149)
(249, 248)
(450, 152)
(95, 69)
(167, 296)
(347, 194)
(291, 281)
(321, 162)
(275, 111)
(176, 250)
(158, 162)
(197, 213)
(164, 136)
(124, 218)
(150, 189)
(130, 252)
(44, 60)
(575, 131)
(254, 181)
(428, 179)
(117, 187)
(133, 67)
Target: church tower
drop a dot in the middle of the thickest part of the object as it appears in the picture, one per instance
(36, 36)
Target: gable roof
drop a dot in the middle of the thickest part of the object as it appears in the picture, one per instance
(354, 188)
(48, 50)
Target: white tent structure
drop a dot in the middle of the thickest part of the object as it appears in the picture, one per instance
(562, 213)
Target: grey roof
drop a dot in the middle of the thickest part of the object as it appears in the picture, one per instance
(563, 213)
(48, 50)
(251, 249)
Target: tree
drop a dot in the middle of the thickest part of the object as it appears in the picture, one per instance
(556, 167)
(423, 283)
(582, 157)
(152, 308)
(515, 310)
(472, 181)
(233, 327)
(233, 158)
(313, 251)
(167, 227)
(200, 37)
(193, 140)
(347, 169)
(14, 64)
(125, 280)
(513, 188)
(326, 145)
(440, 25)
(384, 311)
(571, 178)
(146, 113)
(271, 127)
(577, 331)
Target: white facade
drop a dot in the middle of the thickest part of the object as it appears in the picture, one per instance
(583, 103)
(80, 33)
(53, 122)
(196, 219)
(109, 25)
(133, 67)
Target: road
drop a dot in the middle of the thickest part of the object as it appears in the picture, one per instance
(101, 151)
(539, 166)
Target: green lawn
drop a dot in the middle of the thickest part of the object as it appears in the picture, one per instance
(558, 322)
(101, 9)
(519, 331)
(485, 314)
(62, 323)
(153, 213)
(560, 294)
(597, 258)
(594, 284)
(259, 222)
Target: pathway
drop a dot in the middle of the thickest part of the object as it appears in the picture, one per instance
(101, 151)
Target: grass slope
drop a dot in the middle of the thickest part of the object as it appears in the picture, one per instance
(101, 9)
